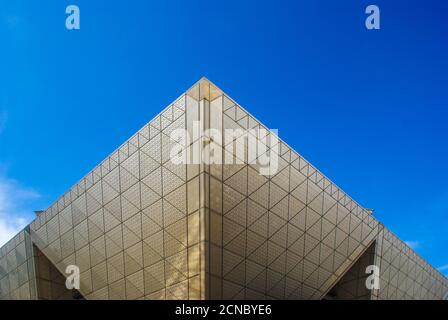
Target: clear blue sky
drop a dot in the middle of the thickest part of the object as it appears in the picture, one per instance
(368, 108)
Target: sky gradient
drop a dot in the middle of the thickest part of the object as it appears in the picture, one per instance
(367, 108)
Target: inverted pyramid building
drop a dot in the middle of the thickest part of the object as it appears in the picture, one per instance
(140, 226)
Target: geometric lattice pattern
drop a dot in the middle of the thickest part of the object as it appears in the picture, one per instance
(140, 227)
(17, 272)
(128, 225)
(294, 234)
(352, 286)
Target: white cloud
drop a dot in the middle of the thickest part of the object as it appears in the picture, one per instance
(443, 268)
(9, 228)
(14, 214)
(413, 244)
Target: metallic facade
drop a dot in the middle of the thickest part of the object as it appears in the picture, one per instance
(140, 227)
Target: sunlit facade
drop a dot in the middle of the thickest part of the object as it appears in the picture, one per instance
(140, 227)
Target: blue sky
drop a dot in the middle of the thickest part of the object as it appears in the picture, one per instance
(368, 108)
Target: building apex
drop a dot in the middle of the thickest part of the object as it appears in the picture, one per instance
(204, 89)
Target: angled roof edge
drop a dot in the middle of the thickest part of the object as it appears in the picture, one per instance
(209, 89)
(207, 81)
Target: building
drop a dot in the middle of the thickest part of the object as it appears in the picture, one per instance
(139, 226)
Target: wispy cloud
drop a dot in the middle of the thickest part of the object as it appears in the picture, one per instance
(443, 268)
(413, 244)
(14, 214)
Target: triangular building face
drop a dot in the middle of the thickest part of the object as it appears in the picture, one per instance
(227, 211)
